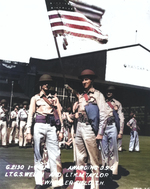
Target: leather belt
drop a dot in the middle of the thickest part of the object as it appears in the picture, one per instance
(111, 120)
(50, 119)
(23, 119)
(83, 118)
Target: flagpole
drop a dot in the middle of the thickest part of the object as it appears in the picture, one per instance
(60, 60)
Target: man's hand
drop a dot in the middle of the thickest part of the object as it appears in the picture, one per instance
(60, 136)
(29, 137)
(119, 135)
(99, 137)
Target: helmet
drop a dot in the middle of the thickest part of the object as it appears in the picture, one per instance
(20, 105)
(45, 77)
(87, 72)
(3, 101)
(15, 104)
(25, 103)
(111, 88)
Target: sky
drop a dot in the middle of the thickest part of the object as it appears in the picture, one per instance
(25, 30)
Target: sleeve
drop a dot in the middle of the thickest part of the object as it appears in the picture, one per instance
(102, 113)
(1, 113)
(32, 110)
(12, 115)
(129, 123)
(121, 117)
(75, 107)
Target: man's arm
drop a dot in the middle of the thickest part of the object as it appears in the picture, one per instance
(102, 115)
(121, 117)
(59, 108)
(32, 110)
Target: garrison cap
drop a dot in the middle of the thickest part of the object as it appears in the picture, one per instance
(45, 77)
(87, 72)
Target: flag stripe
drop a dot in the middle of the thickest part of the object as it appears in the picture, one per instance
(92, 12)
(103, 41)
(86, 32)
(81, 27)
(74, 20)
(75, 24)
(83, 5)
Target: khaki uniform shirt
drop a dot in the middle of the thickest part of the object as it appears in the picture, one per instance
(120, 113)
(22, 115)
(3, 113)
(39, 106)
(96, 97)
(132, 123)
(14, 115)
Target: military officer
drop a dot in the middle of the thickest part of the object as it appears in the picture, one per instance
(3, 122)
(110, 133)
(88, 132)
(44, 106)
(14, 133)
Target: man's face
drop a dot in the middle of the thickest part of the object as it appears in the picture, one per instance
(86, 82)
(45, 85)
(3, 104)
(24, 106)
(109, 94)
(16, 108)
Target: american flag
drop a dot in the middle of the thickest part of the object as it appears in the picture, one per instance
(77, 24)
(92, 12)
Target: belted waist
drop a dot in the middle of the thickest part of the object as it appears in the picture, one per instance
(3, 119)
(23, 119)
(83, 118)
(14, 119)
(134, 129)
(50, 119)
(110, 120)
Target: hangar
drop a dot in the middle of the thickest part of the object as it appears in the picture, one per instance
(127, 68)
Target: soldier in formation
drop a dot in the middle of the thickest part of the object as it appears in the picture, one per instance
(21, 124)
(3, 122)
(14, 130)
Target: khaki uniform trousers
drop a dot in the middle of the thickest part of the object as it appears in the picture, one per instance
(109, 149)
(22, 134)
(14, 133)
(86, 148)
(3, 132)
